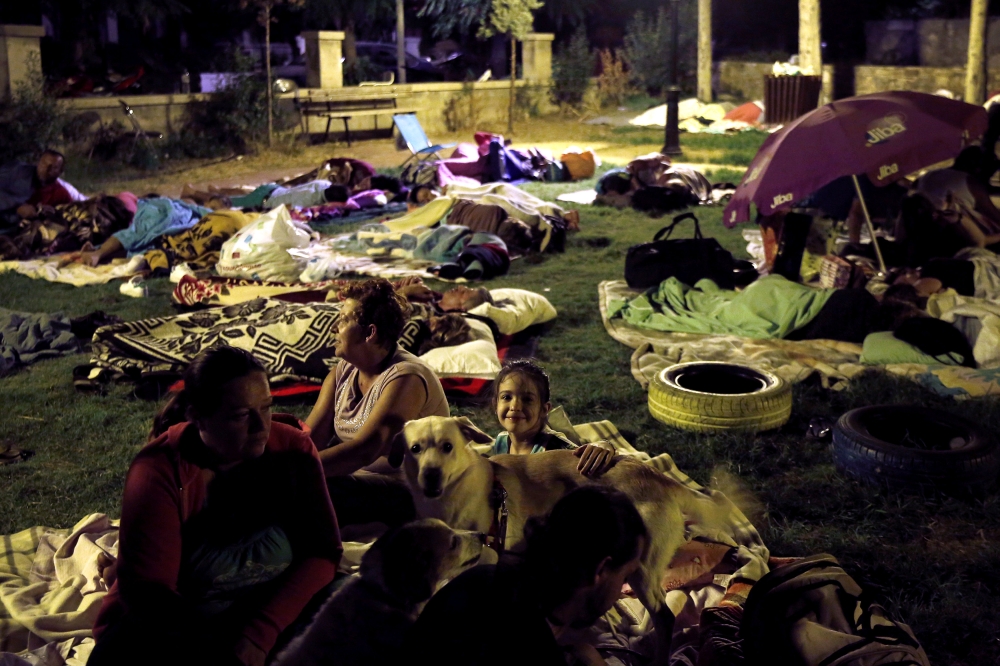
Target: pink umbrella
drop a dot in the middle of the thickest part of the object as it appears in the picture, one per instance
(886, 135)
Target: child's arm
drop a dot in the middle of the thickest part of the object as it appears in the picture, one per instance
(594, 458)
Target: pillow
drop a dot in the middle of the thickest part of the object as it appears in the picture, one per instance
(522, 309)
(476, 359)
(884, 348)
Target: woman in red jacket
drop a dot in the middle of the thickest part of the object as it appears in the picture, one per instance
(227, 530)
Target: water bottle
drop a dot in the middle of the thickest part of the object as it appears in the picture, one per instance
(185, 82)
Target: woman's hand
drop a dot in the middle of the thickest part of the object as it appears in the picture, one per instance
(594, 459)
(248, 653)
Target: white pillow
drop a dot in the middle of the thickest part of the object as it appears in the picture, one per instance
(525, 309)
(476, 359)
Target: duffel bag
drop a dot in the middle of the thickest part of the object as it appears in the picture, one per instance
(687, 259)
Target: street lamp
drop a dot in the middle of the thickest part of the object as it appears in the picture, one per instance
(671, 140)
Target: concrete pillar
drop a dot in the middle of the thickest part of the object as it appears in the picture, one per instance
(324, 59)
(536, 56)
(20, 55)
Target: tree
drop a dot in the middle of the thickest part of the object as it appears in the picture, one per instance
(975, 69)
(810, 49)
(512, 18)
(264, 9)
(705, 51)
(350, 16)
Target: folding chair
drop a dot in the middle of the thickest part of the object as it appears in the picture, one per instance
(416, 139)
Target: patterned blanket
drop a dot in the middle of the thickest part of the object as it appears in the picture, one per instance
(835, 363)
(294, 341)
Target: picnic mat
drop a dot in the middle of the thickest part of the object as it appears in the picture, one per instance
(834, 363)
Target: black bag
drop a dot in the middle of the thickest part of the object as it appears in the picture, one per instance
(688, 260)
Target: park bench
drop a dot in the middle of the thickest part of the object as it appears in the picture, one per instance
(336, 107)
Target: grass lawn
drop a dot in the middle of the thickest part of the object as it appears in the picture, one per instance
(934, 562)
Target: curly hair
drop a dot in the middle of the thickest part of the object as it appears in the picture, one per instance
(380, 306)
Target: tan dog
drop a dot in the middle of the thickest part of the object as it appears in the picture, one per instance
(366, 621)
(452, 482)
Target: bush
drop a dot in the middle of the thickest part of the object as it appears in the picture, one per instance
(233, 119)
(571, 70)
(647, 48)
(363, 69)
(32, 120)
(613, 83)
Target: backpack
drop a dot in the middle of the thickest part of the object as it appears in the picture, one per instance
(420, 173)
(812, 612)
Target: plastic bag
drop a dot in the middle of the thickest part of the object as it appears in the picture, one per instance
(260, 250)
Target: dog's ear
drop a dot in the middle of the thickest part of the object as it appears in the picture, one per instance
(471, 432)
(397, 450)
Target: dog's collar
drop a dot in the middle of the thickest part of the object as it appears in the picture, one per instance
(497, 536)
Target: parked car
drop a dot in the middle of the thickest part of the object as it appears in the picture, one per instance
(418, 68)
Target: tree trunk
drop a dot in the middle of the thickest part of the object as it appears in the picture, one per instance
(267, 65)
(350, 45)
(400, 43)
(513, 81)
(810, 50)
(975, 69)
(705, 51)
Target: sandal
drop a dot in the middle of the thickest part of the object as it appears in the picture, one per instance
(10, 454)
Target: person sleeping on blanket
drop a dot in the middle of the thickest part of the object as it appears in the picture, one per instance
(228, 537)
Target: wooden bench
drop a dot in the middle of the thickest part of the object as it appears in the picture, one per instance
(338, 108)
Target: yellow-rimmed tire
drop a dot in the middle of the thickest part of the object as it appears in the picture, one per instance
(710, 396)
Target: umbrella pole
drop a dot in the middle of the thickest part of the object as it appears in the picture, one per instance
(871, 227)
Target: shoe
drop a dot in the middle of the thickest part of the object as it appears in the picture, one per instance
(136, 288)
(474, 271)
(450, 271)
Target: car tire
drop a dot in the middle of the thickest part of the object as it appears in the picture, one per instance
(711, 397)
(867, 446)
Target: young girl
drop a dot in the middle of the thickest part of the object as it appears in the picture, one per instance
(521, 400)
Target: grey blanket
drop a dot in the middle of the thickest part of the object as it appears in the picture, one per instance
(26, 337)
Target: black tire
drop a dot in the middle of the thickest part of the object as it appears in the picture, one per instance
(866, 446)
(710, 397)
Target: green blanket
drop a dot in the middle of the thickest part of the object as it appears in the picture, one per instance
(771, 307)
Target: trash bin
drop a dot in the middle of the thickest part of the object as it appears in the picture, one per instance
(788, 97)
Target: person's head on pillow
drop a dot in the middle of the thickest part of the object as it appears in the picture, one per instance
(463, 299)
(418, 196)
(337, 194)
(370, 321)
(937, 338)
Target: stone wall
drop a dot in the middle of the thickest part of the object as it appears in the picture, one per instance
(874, 78)
(443, 107)
(745, 80)
(928, 42)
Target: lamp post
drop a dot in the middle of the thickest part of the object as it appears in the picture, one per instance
(671, 140)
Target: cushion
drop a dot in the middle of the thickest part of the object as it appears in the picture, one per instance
(884, 348)
(475, 359)
(516, 310)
